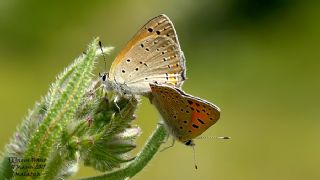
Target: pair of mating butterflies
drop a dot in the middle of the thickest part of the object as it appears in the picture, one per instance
(152, 64)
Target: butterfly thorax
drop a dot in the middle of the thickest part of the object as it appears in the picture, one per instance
(120, 88)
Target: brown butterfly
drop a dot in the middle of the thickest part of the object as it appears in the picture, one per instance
(153, 55)
(186, 116)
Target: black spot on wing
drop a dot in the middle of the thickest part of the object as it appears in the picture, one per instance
(195, 126)
(200, 121)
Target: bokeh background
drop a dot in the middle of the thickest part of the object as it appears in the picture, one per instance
(258, 60)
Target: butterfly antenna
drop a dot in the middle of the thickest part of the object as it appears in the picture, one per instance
(194, 157)
(104, 56)
(210, 137)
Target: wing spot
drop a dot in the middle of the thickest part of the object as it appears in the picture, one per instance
(181, 127)
(195, 126)
(185, 122)
(175, 117)
(123, 71)
(145, 64)
(128, 60)
(142, 45)
(137, 69)
(147, 49)
(190, 102)
(158, 32)
(208, 114)
(162, 52)
(158, 49)
(150, 29)
(192, 108)
(200, 121)
(146, 78)
(187, 111)
(169, 66)
(164, 59)
(211, 118)
(197, 104)
(181, 109)
(140, 62)
(198, 111)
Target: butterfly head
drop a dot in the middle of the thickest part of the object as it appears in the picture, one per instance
(104, 77)
(189, 143)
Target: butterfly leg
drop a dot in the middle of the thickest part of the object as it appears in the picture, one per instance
(96, 86)
(161, 123)
(115, 101)
(172, 144)
(130, 97)
(133, 99)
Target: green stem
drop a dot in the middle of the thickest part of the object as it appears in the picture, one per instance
(6, 171)
(146, 154)
(54, 166)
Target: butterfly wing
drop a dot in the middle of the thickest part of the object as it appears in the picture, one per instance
(152, 56)
(172, 107)
(203, 115)
(186, 116)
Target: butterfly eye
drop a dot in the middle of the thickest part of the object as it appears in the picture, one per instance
(104, 76)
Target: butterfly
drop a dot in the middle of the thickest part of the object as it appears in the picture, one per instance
(153, 55)
(185, 116)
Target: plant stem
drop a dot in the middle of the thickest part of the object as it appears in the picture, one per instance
(142, 159)
(54, 166)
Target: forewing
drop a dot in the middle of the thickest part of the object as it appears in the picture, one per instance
(153, 55)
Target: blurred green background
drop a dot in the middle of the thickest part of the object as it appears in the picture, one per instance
(258, 60)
